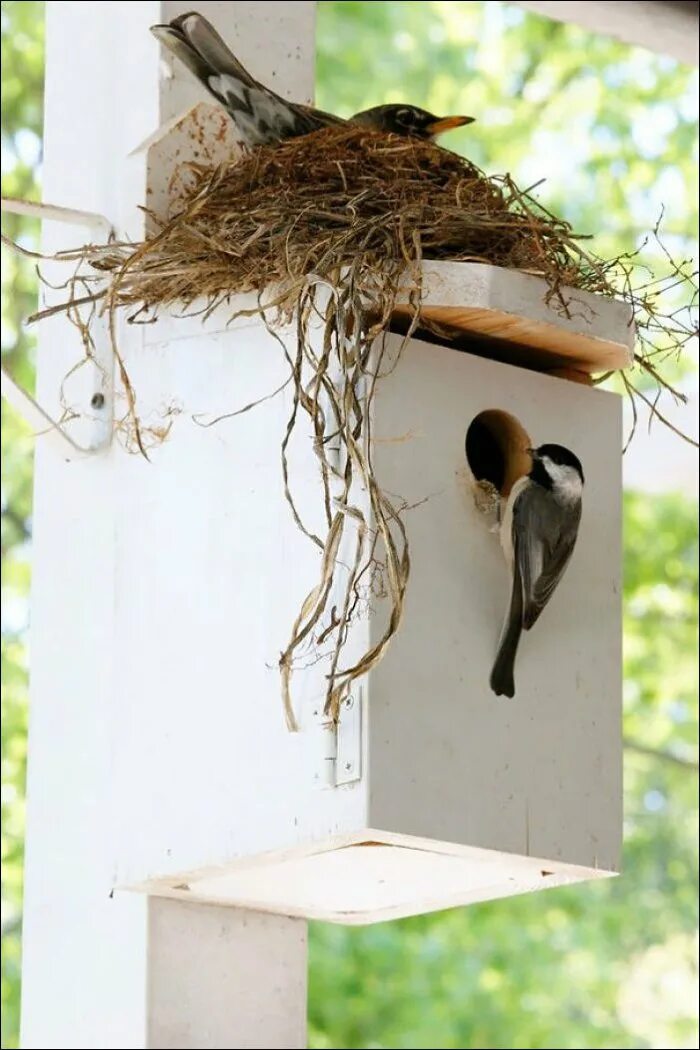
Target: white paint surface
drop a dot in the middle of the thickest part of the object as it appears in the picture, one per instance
(222, 977)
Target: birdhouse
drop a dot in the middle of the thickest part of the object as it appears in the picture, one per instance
(173, 583)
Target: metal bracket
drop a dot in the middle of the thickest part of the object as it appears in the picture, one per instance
(99, 409)
(348, 759)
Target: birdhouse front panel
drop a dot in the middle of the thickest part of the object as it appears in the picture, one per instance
(537, 775)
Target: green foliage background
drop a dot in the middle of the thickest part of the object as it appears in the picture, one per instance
(607, 965)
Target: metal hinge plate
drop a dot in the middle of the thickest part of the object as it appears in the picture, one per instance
(348, 760)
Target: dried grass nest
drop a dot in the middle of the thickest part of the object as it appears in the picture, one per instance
(341, 197)
(324, 227)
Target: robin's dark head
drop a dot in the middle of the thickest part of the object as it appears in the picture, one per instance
(408, 120)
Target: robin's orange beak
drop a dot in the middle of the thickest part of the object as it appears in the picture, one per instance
(447, 123)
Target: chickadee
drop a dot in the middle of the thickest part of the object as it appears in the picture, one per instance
(538, 534)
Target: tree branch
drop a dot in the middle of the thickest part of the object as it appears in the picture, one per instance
(661, 755)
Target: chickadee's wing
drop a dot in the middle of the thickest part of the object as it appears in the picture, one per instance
(546, 534)
(552, 572)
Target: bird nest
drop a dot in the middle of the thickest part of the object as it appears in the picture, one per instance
(336, 198)
(326, 229)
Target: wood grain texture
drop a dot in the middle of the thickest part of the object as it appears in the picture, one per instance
(519, 322)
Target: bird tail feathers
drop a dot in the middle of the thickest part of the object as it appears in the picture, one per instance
(198, 45)
(502, 676)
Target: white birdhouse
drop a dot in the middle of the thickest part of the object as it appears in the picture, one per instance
(165, 591)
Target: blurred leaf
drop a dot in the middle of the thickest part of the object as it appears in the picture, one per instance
(22, 105)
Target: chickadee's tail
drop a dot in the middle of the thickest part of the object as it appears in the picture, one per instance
(502, 681)
(198, 45)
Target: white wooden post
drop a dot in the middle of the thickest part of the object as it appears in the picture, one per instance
(669, 28)
(224, 977)
(89, 976)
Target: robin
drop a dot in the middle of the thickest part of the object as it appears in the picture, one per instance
(261, 116)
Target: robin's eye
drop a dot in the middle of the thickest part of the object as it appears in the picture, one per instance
(404, 116)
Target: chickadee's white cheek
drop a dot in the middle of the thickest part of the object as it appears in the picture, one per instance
(567, 481)
(571, 487)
